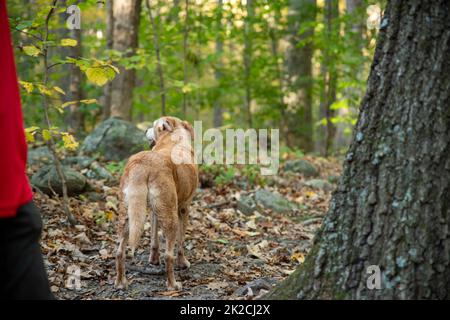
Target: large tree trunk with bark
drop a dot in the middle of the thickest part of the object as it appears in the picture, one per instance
(299, 77)
(126, 27)
(392, 205)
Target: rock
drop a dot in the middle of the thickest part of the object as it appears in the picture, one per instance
(82, 162)
(98, 172)
(273, 201)
(264, 199)
(319, 184)
(47, 176)
(301, 166)
(333, 179)
(115, 139)
(39, 156)
(256, 286)
(94, 196)
(246, 204)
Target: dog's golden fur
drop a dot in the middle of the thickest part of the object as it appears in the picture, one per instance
(152, 179)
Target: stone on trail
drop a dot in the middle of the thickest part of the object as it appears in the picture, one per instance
(114, 139)
(301, 166)
(46, 179)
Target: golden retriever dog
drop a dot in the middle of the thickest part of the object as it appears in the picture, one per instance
(165, 180)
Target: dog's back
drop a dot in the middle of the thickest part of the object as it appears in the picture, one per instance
(151, 178)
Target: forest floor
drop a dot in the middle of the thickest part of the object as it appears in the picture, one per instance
(228, 250)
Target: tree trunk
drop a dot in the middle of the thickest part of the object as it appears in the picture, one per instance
(159, 69)
(299, 77)
(218, 112)
(109, 45)
(329, 73)
(352, 7)
(392, 205)
(248, 47)
(185, 56)
(274, 44)
(126, 27)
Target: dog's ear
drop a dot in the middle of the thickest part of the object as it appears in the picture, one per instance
(163, 124)
(188, 127)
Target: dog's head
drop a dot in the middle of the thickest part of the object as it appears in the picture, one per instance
(166, 125)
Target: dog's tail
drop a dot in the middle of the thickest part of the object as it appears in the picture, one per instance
(136, 196)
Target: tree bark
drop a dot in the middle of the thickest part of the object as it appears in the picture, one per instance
(392, 205)
(126, 27)
(299, 76)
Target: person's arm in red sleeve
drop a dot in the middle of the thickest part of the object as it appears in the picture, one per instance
(14, 186)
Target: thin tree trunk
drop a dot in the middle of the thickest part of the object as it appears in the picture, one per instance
(274, 43)
(199, 41)
(126, 28)
(299, 74)
(391, 209)
(109, 45)
(248, 47)
(218, 112)
(174, 10)
(330, 78)
(354, 28)
(185, 55)
(352, 7)
(159, 69)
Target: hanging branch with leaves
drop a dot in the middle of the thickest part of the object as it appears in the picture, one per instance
(96, 71)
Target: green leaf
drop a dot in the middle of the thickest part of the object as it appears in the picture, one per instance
(89, 101)
(29, 137)
(69, 141)
(58, 89)
(69, 42)
(31, 50)
(114, 68)
(46, 135)
(97, 75)
(30, 132)
(28, 86)
(31, 129)
(85, 101)
(44, 90)
(24, 24)
(223, 241)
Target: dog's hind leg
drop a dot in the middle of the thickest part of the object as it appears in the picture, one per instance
(183, 215)
(154, 251)
(164, 204)
(121, 280)
(137, 211)
(171, 234)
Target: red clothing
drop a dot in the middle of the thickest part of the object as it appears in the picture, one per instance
(14, 186)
